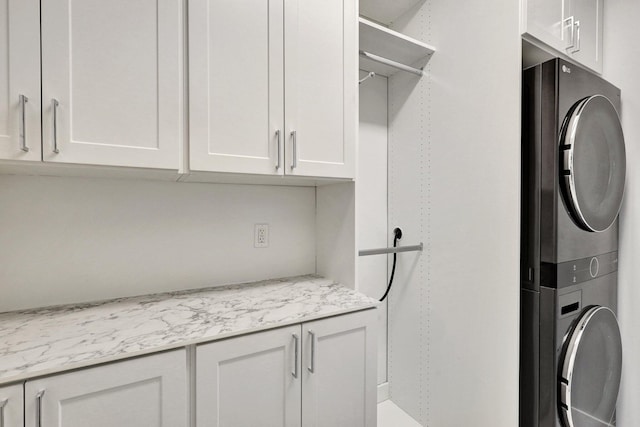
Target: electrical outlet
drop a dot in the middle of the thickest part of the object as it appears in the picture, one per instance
(261, 236)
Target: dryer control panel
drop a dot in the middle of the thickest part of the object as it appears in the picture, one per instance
(578, 271)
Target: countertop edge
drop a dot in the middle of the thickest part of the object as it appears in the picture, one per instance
(176, 346)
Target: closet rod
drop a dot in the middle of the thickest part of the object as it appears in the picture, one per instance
(391, 63)
(414, 248)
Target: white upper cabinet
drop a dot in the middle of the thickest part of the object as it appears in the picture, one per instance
(236, 85)
(571, 27)
(587, 34)
(111, 82)
(543, 20)
(272, 87)
(321, 77)
(20, 80)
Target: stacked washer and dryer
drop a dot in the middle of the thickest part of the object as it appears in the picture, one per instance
(573, 173)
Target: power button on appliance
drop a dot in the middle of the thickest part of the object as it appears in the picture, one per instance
(594, 266)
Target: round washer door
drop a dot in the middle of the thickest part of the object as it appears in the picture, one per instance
(593, 163)
(591, 370)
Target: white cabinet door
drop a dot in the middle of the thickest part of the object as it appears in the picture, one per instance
(236, 79)
(588, 20)
(12, 406)
(253, 380)
(571, 27)
(114, 68)
(320, 87)
(20, 77)
(339, 371)
(149, 391)
(543, 19)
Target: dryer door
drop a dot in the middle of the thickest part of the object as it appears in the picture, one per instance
(591, 370)
(593, 163)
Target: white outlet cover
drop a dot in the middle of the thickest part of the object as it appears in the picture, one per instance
(261, 236)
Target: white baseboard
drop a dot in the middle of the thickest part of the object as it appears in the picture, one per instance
(383, 392)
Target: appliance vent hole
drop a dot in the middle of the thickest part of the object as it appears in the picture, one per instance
(569, 308)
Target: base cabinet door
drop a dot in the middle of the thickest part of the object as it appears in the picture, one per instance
(339, 371)
(11, 406)
(251, 380)
(148, 391)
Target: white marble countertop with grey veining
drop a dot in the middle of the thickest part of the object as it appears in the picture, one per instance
(54, 339)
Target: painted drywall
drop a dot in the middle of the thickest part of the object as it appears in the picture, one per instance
(335, 231)
(454, 174)
(621, 55)
(76, 239)
(371, 202)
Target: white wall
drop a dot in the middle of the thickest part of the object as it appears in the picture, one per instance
(454, 183)
(73, 239)
(621, 65)
(371, 205)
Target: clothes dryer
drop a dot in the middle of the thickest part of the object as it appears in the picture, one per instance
(573, 174)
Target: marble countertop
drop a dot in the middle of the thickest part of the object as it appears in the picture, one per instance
(44, 341)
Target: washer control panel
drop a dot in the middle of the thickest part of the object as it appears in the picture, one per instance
(578, 271)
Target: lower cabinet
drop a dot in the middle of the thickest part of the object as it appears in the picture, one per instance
(11, 406)
(317, 374)
(143, 392)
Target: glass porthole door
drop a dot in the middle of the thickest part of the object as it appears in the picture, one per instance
(591, 370)
(593, 163)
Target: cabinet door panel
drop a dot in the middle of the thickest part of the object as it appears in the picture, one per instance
(148, 391)
(248, 381)
(339, 371)
(320, 87)
(12, 405)
(114, 68)
(589, 48)
(19, 75)
(236, 85)
(543, 19)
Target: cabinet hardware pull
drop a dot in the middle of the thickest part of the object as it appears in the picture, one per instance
(3, 403)
(294, 154)
(577, 25)
(278, 151)
(39, 408)
(54, 106)
(295, 358)
(312, 366)
(570, 23)
(23, 129)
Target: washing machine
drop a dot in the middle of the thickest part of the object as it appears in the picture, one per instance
(573, 174)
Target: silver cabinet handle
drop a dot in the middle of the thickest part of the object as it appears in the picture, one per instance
(577, 26)
(570, 24)
(312, 365)
(278, 151)
(296, 340)
(54, 106)
(3, 403)
(23, 128)
(294, 154)
(39, 408)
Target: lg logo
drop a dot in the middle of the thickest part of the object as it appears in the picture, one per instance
(566, 69)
